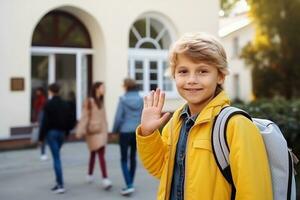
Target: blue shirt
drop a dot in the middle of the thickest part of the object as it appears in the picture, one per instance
(129, 111)
(177, 186)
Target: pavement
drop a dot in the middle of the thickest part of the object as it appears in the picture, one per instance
(23, 176)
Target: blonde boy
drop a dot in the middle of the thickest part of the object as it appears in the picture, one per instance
(181, 157)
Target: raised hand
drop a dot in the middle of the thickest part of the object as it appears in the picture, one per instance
(151, 115)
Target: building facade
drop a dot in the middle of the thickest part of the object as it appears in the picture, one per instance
(76, 42)
(235, 32)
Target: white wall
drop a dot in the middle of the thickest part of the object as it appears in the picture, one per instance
(108, 22)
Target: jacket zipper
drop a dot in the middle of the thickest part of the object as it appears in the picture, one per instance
(186, 161)
(168, 187)
(169, 160)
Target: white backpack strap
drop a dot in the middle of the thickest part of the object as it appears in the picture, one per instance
(219, 142)
(219, 145)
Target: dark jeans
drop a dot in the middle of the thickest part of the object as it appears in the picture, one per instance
(55, 139)
(43, 148)
(100, 152)
(127, 141)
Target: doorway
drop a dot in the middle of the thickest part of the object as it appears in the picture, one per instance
(61, 52)
(70, 68)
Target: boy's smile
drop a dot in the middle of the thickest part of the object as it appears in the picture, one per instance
(196, 82)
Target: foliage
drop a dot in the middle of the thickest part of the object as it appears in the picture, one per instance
(274, 52)
(227, 5)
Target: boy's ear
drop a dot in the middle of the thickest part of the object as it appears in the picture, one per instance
(221, 78)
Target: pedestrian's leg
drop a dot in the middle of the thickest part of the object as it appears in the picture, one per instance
(102, 162)
(54, 144)
(43, 155)
(43, 148)
(91, 162)
(124, 154)
(106, 183)
(132, 156)
(61, 139)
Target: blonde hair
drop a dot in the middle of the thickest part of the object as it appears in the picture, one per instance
(199, 47)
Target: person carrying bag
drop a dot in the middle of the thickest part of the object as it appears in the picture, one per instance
(93, 126)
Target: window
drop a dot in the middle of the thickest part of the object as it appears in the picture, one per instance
(61, 29)
(236, 86)
(236, 47)
(149, 41)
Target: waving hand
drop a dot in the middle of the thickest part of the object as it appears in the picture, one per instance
(151, 115)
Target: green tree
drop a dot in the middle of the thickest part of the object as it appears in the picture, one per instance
(227, 5)
(274, 53)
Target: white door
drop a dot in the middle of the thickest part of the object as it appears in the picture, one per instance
(68, 68)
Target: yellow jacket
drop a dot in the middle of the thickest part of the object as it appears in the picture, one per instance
(203, 179)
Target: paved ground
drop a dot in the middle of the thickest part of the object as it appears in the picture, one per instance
(24, 177)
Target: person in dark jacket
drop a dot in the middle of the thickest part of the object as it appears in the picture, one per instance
(53, 130)
(127, 119)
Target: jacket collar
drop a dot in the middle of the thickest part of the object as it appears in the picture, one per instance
(209, 111)
(185, 114)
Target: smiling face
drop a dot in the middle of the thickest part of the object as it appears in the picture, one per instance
(196, 82)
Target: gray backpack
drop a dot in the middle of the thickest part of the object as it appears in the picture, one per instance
(280, 157)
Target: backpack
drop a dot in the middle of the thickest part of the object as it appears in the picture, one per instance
(279, 156)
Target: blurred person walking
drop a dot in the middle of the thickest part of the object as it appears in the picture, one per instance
(38, 105)
(39, 101)
(93, 125)
(127, 118)
(54, 128)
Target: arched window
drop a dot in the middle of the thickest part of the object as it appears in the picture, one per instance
(149, 41)
(60, 29)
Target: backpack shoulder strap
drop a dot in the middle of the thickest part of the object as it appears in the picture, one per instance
(219, 142)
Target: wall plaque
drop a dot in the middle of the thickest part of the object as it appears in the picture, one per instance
(17, 84)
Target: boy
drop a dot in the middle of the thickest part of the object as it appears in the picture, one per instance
(182, 156)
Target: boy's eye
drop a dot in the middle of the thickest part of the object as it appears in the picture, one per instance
(182, 71)
(203, 71)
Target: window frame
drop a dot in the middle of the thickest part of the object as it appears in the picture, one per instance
(158, 54)
(152, 55)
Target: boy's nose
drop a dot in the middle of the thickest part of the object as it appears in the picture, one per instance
(192, 79)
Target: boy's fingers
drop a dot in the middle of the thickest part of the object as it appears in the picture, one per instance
(163, 120)
(156, 97)
(161, 100)
(145, 102)
(150, 99)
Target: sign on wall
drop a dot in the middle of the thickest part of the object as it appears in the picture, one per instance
(17, 84)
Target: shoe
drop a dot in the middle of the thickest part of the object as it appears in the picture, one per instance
(127, 191)
(44, 157)
(58, 189)
(106, 183)
(89, 178)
